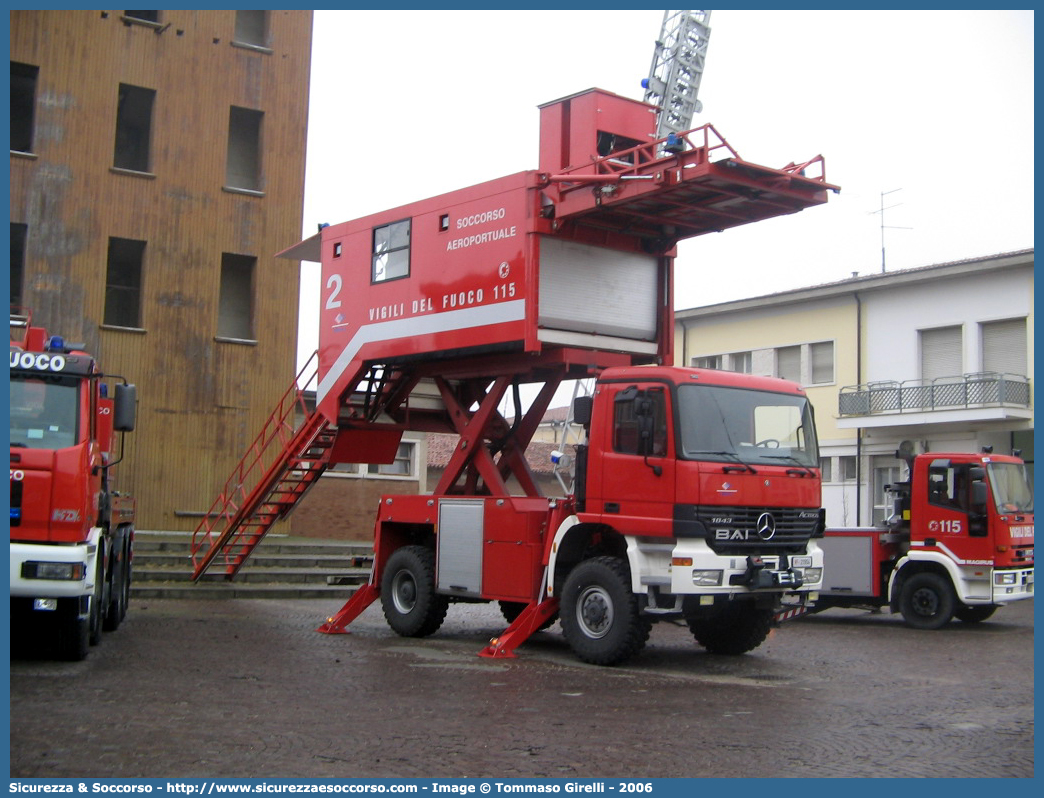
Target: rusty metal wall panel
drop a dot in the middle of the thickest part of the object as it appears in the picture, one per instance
(201, 400)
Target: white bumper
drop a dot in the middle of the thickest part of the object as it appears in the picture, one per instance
(25, 556)
(689, 567)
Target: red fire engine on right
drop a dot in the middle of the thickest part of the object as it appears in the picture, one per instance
(959, 543)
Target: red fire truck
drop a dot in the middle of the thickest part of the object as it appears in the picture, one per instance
(697, 492)
(72, 532)
(959, 543)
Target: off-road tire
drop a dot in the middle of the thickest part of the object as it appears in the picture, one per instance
(119, 593)
(599, 613)
(98, 608)
(411, 606)
(926, 601)
(737, 628)
(72, 639)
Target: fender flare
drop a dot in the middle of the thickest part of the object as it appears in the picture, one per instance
(929, 558)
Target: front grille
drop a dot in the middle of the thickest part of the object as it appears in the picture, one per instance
(747, 530)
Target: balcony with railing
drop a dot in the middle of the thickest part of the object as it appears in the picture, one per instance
(978, 396)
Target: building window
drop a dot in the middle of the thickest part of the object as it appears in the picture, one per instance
(942, 353)
(740, 362)
(391, 251)
(123, 283)
(708, 362)
(236, 299)
(18, 234)
(144, 16)
(405, 465)
(23, 105)
(243, 169)
(402, 465)
(133, 128)
(849, 468)
(1004, 349)
(822, 357)
(825, 464)
(788, 363)
(252, 28)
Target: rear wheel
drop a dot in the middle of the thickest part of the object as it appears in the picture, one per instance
(974, 614)
(411, 606)
(599, 613)
(736, 628)
(119, 593)
(74, 632)
(98, 599)
(927, 601)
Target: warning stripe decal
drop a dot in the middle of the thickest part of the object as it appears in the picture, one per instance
(396, 329)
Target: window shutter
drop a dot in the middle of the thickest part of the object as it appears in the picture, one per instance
(1004, 346)
(822, 362)
(788, 363)
(941, 353)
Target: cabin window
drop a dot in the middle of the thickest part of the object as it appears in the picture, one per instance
(133, 128)
(123, 283)
(243, 168)
(18, 235)
(640, 422)
(391, 251)
(23, 105)
(236, 300)
(252, 28)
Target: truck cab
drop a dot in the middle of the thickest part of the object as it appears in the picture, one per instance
(71, 531)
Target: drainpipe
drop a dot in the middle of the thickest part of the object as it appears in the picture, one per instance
(685, 343)
(859, 430)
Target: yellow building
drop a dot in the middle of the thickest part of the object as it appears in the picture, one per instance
(941, 356)
(157, 166)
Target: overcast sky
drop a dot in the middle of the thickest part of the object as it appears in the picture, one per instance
(934, 107)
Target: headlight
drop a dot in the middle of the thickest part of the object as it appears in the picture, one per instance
(813, 575)
(706, 578)
(1005, 578)
(65, 571)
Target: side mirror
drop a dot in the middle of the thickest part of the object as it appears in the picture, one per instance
(125, 407)
(582, 409)
(979, 495)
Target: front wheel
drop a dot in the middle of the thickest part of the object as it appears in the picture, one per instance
(974, 614)
(411, 606)
(927, 601)
(735, 629)
(599, 613)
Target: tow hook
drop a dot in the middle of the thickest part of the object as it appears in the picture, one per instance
(759, 577)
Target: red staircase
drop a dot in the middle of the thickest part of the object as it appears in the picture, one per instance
(284, 461)
(293, 449)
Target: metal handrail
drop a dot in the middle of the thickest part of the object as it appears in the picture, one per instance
(975, 389)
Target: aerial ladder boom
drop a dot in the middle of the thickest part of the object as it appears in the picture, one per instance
(677, 69)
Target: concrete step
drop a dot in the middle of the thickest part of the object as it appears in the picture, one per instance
(280, 567)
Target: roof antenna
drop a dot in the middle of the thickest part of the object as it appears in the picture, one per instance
(881, 211)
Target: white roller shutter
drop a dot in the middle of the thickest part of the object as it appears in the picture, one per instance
(1004, 346)
(942, 353)
(599, 291)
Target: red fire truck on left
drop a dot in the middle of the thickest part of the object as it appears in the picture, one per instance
(72, 532)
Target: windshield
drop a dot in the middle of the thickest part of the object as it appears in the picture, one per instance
(1012, 491)
(43, 411)
(750, 427)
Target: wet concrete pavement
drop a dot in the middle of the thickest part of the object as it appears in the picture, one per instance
(247, 688)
